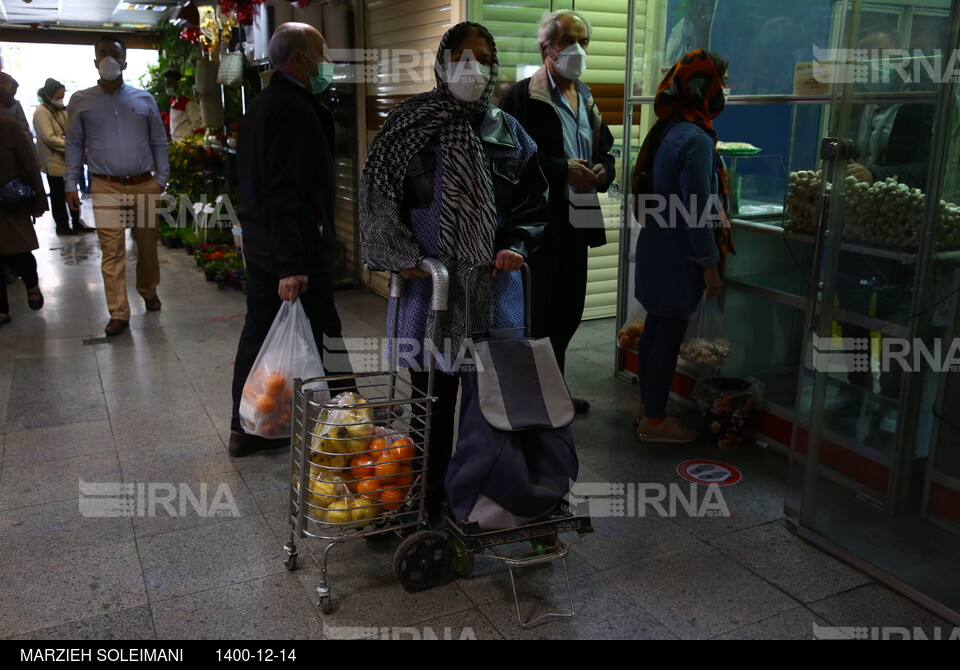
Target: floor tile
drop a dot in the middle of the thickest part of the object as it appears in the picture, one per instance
(48, 481)
(698, 593)
(55, 588)
(870, 609)
(58, 442)
(57, 527)
(135, 623)
(275, 608)
(799, 568)
(208, 556)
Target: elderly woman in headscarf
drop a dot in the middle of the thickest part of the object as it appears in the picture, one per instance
(680, 196)
(452, 177)
(23, 201)
(50, 127)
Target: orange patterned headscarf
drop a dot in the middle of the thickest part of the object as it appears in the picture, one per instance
(692, 90)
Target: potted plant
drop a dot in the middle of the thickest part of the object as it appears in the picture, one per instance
(211, 269)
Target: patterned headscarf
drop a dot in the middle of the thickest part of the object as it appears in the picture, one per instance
(691, 91)
(468, 214)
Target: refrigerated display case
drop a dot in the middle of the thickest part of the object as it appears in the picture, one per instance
(847, 267)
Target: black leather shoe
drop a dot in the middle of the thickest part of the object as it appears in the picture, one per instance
(34, 298)
(242, 444)
(580, 406)
(81, 227)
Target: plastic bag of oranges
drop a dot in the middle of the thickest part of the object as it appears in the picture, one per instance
(629, 336)
(288, 352)
(385, 472)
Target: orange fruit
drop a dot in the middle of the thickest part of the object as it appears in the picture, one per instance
(404, 476)
(386, 469)
(265, 403)
(274, 384)
(403, 449)
(368, 487)
(376, 446)
(391, 499)
(361, 466)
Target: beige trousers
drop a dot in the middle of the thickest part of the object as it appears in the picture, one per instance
(115, 208)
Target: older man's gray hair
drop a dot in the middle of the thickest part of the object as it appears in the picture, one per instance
(548, 26)
(290, 36)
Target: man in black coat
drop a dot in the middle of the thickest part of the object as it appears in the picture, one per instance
(559, 113)
(286, 175)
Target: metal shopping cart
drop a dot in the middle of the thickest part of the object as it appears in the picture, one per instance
(358, 463)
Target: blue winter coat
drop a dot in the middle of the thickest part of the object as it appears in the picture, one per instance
(674, 247)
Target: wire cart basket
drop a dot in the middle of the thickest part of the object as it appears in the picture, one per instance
(358, 463)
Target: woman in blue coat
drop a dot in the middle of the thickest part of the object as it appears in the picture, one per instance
(679, 191)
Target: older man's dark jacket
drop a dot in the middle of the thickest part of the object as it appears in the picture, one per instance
(286, 174)
(530, 103)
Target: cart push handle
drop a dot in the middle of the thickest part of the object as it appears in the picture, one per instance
(440, 279)
(525, 275)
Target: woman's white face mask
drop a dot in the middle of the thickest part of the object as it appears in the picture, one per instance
(467, 79)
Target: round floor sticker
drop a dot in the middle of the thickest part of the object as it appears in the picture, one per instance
(709, 472)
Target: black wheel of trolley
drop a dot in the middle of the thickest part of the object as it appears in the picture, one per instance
(326, 605)
(289, 561)
(460, 560)
(421, 561)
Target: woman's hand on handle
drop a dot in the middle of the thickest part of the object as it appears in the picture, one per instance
(413, 272)
(507, 261)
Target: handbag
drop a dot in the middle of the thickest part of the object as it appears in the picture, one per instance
(15, 194)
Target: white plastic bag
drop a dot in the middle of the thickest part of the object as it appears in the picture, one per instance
(288, 352)
(706, 339)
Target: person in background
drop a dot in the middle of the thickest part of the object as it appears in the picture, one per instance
(287, 179)
(452, 177)
(17, 236)
(13, 111)
(119, 127)
(184, 114)
(678, 260)
(50, 126)
(559, 113)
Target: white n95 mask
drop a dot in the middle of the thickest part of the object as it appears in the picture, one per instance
(572, 61)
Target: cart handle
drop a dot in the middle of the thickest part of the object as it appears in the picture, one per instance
(440, 279)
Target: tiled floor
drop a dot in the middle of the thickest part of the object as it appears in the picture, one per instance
(152, 406)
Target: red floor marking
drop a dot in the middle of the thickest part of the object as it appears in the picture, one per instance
(224, 318)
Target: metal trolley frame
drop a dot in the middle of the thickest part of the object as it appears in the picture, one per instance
(321, 448)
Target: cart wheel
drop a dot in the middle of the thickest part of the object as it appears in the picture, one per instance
(460, 560)
(421, 561)
(289, 561)
(326, 605)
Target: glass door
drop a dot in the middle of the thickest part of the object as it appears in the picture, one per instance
(883, 268)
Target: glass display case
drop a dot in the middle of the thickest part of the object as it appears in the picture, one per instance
(844, 288)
